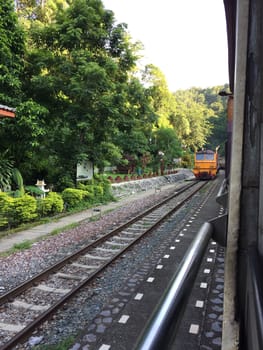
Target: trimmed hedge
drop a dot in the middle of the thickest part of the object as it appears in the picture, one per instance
(15, 211)
(100, 186)
(25, 208)
(50, 205)
(5, 204)
(73, 196)
(22, 209)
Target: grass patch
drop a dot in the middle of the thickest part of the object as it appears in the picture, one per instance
(24, 227)
(83, 206)
(94, 218)
(28, 244)
(64, 228)
(64, 345)
(22, 246)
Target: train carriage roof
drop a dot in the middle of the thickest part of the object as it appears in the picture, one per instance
(207, 151)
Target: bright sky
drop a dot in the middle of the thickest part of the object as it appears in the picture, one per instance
(185, 39)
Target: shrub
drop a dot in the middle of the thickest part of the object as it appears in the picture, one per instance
(86, 187)
(5, 205)
(72, 196)
(24, 209)
(102, 180)
(88, 196)
(64, 182)
(98, 191)
(51, 204)
(34, 190)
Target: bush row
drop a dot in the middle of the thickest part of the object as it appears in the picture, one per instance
(15, 211)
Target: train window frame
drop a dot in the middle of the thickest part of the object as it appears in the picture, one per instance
(200, 156)
(210, 156)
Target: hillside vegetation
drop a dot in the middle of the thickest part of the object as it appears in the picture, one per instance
(72, 74)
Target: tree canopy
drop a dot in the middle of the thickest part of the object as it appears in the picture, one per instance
(71, 72)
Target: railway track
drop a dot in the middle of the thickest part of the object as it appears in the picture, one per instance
(64, 279)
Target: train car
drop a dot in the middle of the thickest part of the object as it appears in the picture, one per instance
(206, 165)
(240, 228)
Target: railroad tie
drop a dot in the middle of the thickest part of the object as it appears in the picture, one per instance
(48, 289)
(23, 305)
(11, 327)
(95, 257)
(126, 239)
(89, 267)
(105, 250)
(69, 276)
(116, 244)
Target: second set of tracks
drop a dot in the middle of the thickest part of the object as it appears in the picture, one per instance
(29, 302)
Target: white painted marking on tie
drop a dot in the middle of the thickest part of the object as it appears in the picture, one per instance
(124, 319)
(206, 270)
(167, 256)
(138, 296)
(159, 267)
(203, 285)
(199, 303)
(150, 279)
(194, 329)
(104, 347)
(172, 248)
(209, 260)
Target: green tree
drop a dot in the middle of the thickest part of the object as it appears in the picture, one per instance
(135, 123)
(165, 147)
(20, 135)
(163, 101)
(218, 121)
(77, 68)
(11, 67)
(6, 171)
(12, 49)
(39, 11)
(24, 136)
(192, 118)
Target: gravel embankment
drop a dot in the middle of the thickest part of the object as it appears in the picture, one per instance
(22, 265)
(119, 279)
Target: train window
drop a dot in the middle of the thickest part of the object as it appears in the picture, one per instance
(200, 156)
(209, 157)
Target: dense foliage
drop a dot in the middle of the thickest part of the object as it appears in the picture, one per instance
(71, 72)
(30, 206)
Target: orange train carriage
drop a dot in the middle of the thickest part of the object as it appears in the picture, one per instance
(206, 165)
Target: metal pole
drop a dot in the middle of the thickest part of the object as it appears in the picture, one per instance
(160, 330)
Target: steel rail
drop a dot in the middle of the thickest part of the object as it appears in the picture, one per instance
(8, 296)
(254, 293)
(161, 329)
(25, 332)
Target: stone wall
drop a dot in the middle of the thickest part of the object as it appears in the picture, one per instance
(130, 187)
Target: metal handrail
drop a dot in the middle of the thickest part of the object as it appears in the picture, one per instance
(253, 318)
(160, 330)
